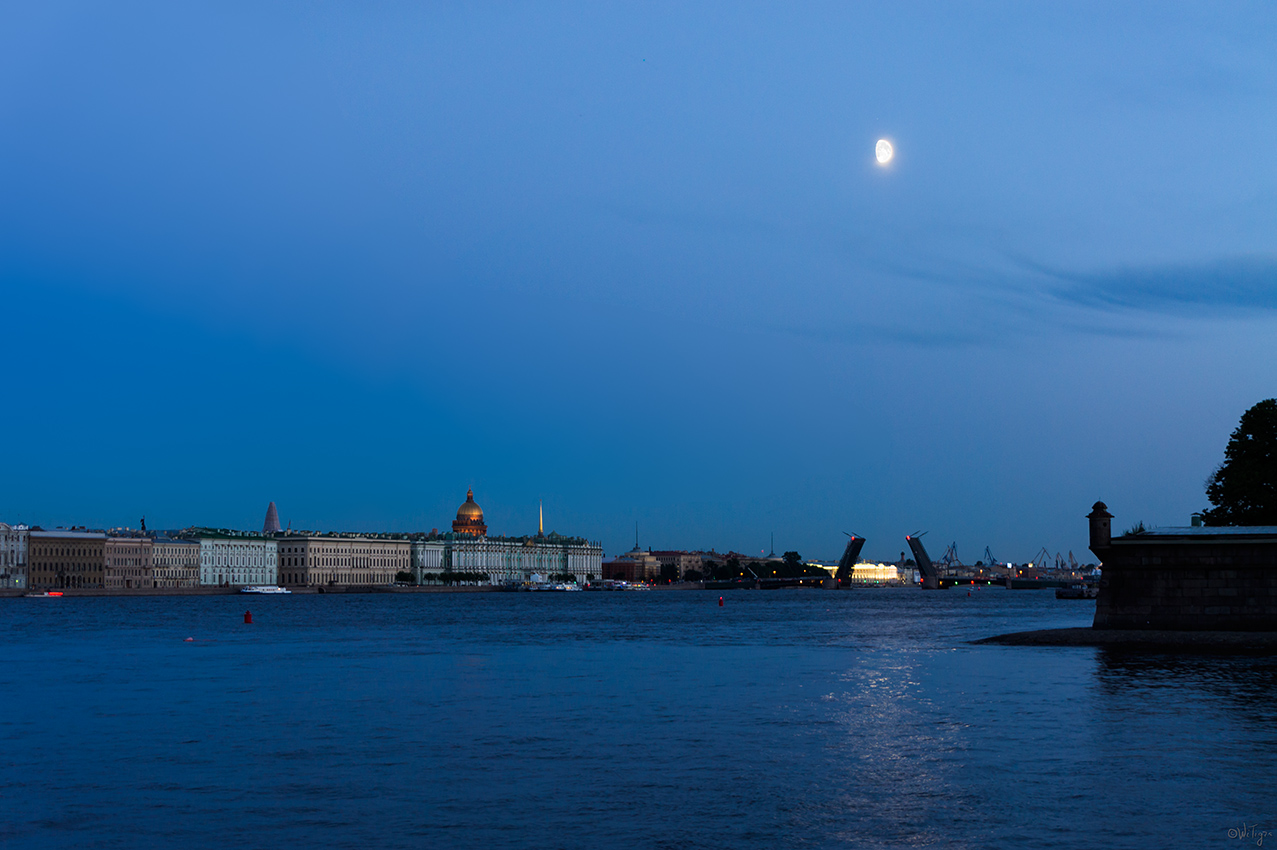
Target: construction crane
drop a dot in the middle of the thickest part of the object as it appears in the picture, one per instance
(989, 560)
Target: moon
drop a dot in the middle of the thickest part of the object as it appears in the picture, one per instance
(884, 151)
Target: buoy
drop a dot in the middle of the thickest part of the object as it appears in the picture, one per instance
(720, 602)
(248, 616)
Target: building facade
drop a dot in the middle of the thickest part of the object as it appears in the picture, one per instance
(1188, 578)
(13, 556)
(679, 562)
(234, 558)
(504, 560)
(61, 558)
(127, 562)
(307, 559)
(634, 565)
(507, 560)
(175, 562)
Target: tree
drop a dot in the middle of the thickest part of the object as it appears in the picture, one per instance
(1244, 487)
(793, 559)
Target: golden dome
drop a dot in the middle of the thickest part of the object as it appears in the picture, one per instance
(470, 518)
(470, 510)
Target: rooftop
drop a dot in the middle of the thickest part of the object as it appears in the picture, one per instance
(80, 534)
(1201, 531)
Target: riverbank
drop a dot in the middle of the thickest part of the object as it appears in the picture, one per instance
(235, 591)
(1139, 639)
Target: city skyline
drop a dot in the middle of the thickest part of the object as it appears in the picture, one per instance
(639, 263)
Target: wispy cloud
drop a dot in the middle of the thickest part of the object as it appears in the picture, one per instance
(1223, 286)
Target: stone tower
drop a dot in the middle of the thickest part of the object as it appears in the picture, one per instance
(1101, 528)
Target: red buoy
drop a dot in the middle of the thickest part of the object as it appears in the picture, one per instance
(248, 616)
(720, 602)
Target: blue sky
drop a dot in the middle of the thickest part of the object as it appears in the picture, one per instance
(637, 261)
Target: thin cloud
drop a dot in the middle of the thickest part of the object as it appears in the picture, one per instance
(1225, 286)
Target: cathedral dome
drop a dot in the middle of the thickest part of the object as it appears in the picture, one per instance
(470, 518)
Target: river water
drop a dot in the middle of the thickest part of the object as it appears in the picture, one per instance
(793, 718)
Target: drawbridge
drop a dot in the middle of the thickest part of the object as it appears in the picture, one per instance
(849, 557)
(930, 575)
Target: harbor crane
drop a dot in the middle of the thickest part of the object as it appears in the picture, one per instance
(950, 558)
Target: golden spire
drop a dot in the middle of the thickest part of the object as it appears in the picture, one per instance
(540, 519)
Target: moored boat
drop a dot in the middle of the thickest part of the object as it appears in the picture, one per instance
(263, 588)
(1077, 591)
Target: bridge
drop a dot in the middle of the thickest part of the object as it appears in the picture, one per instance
(930, 575)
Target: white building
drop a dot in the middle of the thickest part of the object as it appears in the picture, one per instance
(235, 558)
(508, 560)
(505, 560)
(13, 555)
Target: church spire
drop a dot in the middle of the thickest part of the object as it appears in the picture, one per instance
(540, 519)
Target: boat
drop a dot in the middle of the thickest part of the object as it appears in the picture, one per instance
(43, 593)
(1077, 591)
(263, 588)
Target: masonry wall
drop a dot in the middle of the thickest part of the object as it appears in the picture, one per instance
(1188, 585)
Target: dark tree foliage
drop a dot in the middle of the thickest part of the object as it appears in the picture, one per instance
(1244, 488)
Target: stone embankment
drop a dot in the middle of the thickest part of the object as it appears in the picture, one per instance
(234, 591)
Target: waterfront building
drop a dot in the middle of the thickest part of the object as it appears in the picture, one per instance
(13, 556)
(62, 557)
(342, 558)
(1190, 578)
(234, 558)
(127, 561)
(679, 562)
(175, 562)
(505, 560)
(634, 565)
